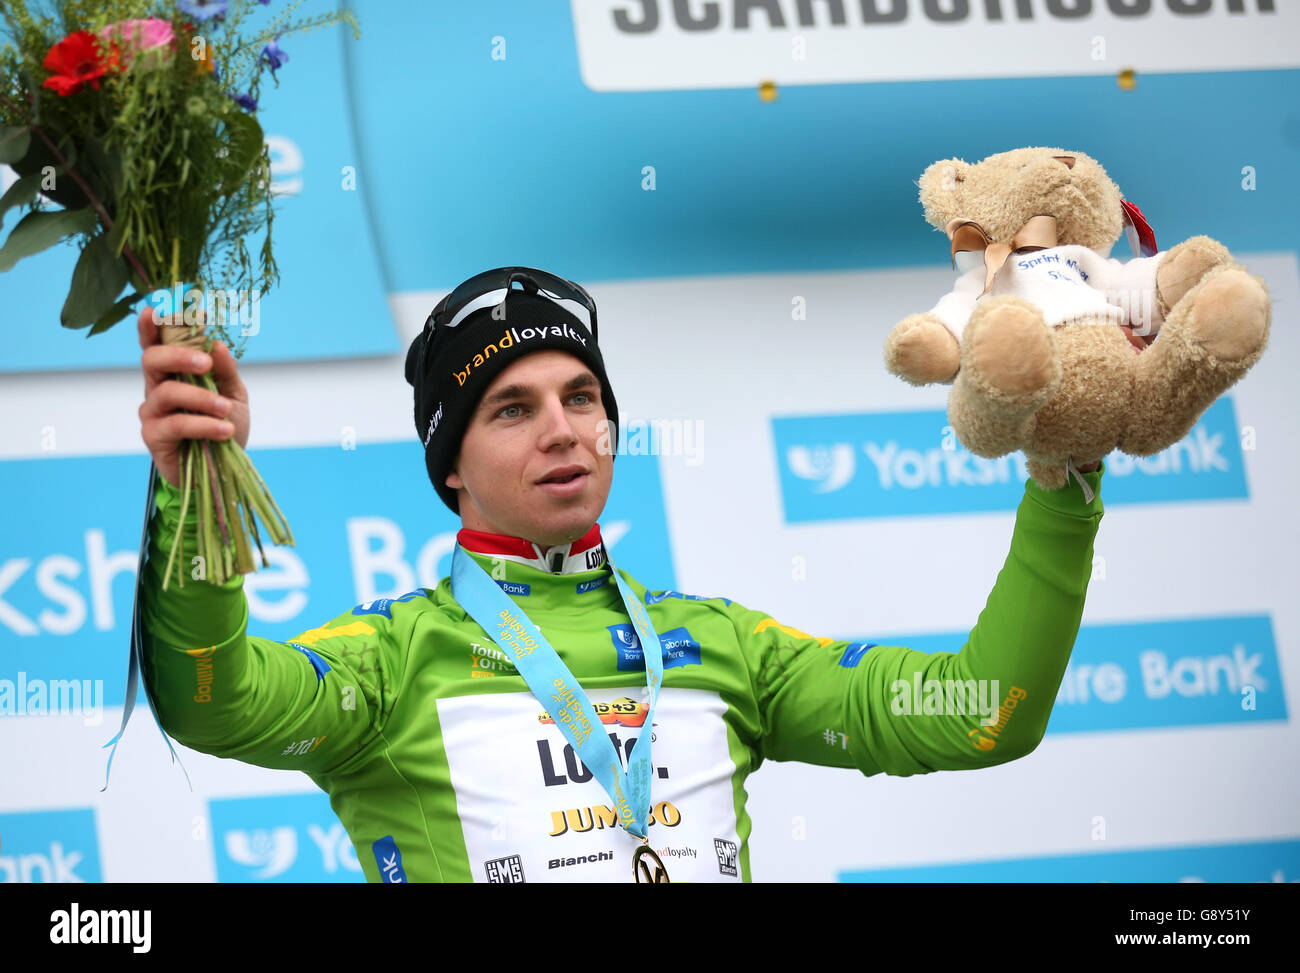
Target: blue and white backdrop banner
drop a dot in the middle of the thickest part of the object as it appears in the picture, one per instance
(735, 184)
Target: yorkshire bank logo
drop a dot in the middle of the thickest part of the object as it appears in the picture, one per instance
(677, 646)
(265, 852)
(659, 45)
(1183, 672)
(1220, 670)
(49, 846)
(827, 468)
(294, 838)
(899, 464)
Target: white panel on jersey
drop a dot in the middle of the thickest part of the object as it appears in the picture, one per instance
(531, 812)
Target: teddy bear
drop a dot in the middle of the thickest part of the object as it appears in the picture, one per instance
(1052, 346)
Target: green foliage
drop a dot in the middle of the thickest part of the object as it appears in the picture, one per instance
(161, 154)
(115, 313)
(20, 193)
(41, 229)
(14, 142)
(97, 279)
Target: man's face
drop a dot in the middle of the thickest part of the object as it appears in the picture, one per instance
(542, 417)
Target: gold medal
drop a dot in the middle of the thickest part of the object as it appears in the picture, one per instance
(646, 865)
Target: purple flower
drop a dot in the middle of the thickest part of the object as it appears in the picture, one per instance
(272, 56)
(247, 102)
(204, 9)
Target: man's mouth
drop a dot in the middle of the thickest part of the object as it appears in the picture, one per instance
(565, 475)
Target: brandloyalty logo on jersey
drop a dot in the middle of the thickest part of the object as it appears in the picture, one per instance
(896, 464)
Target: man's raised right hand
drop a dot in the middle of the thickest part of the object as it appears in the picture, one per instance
(168, 414)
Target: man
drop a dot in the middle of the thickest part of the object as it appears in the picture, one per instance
(450, 751)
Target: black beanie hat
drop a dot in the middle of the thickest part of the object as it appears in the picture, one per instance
(463, 361)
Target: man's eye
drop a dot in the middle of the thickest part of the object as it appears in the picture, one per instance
(506, 409)
(584, 395)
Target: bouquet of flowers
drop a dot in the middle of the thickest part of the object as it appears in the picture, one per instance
(132, 127)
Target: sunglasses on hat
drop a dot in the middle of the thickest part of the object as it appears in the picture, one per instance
(448, 312)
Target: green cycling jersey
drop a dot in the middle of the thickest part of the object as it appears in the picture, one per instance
(442, 766)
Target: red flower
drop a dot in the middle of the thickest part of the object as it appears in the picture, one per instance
(75, 61)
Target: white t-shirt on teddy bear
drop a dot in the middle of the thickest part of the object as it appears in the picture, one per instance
(1068, 284)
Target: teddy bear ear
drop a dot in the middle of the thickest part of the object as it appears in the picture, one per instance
(940, 186)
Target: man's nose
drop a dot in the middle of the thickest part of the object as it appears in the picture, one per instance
(556, 425)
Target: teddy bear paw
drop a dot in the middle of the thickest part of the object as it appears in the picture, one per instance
(1009, 352)
(1185, 266)
(920, 350)
(1229, 314)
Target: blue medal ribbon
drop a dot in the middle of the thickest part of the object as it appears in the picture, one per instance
(558, 691)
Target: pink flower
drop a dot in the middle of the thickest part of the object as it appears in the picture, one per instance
(152, 39)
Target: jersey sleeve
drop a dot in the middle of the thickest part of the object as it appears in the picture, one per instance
(314, 703)
(892, 709)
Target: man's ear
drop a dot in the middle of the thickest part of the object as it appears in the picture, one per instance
(452, 474)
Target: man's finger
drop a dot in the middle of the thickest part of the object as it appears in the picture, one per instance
(225, 370)
(147, 326)
(169, 430)
(173, 395)
(160, 362)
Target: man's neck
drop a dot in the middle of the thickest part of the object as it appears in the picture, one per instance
(583, 554)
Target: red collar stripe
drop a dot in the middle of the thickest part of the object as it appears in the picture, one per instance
(482, 542)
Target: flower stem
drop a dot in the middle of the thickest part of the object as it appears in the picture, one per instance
(207, 542)
(239, 530)
(216, 491)
(177, 541)
(277, 523)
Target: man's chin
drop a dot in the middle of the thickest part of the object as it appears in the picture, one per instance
(562, 530)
